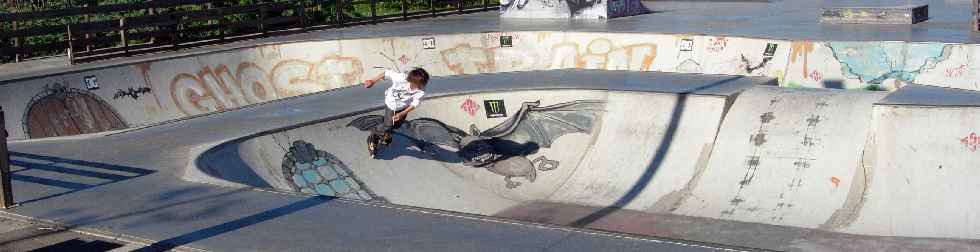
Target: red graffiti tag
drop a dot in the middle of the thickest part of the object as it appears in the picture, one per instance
(814, 75)
(470, 107)
(954, 72)
(971, 141)
(717, 44)
(403, 59)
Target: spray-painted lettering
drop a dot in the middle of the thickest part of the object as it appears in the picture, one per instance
(717, 44)
(225, 87)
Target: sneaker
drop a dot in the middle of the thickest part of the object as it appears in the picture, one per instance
(387, 139)
(372, 149)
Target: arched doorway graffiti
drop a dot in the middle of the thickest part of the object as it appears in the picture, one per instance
(62, 111)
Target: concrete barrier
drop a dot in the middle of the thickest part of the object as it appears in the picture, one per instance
(150, 92)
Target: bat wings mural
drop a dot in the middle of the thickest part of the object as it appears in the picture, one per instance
(575, 7)
(503, 149)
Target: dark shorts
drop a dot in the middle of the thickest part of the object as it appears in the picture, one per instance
(388, 124)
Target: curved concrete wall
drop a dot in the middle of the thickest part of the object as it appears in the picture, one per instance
(179, 87)
(924, 173)
(811, 158)
(403, 175)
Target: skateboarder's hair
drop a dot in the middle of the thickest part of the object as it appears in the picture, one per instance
(419, 77)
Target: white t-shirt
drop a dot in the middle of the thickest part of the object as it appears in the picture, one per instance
(400, 95)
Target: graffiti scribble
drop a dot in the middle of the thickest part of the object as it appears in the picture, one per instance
(131, 92)
(972, 141)
(748, 66)
(718, 44)
(956, 72)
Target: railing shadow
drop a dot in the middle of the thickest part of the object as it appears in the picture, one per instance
(84, 170)
(230, 226)
(659, 156)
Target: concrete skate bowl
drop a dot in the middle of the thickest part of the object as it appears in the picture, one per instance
(763, 167)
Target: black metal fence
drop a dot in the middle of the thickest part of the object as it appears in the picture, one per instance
(157, 25)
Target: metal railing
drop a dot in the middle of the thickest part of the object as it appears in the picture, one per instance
(159, 25)
(6, 193)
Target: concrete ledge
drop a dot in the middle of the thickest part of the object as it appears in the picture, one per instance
(908, 14)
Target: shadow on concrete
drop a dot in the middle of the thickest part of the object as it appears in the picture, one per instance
(149, 213)
(833, 84)
(84, 170)
(235, 224)
(658, 158)
(403, 145)
(225, 162)
(80, 245)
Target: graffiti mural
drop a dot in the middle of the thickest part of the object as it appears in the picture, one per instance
(225, 87)
(63, 111)
(584, 9)
(464, 58)
(314, 171)
(868, 65)
(503, 149)
(553, 8)
(601, 54)
(873, 63)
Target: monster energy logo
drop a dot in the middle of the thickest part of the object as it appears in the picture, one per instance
(495, 108)
(770, 50)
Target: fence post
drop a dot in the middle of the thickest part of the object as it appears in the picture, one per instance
(71, 45)
(122, 36)
(7, 196)
(174, 33)
(404, 10)
(16, 43)
(153, 12)
(263, 15)
(374, 11)
(432, 7)
(304, 21)
(340, 12)
(221, 25)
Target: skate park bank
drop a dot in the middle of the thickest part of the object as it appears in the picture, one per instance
(721, 147)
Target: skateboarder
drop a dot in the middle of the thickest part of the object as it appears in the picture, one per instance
(402, 97)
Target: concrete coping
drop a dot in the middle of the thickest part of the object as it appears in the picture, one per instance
(893, 7)
(921, 95)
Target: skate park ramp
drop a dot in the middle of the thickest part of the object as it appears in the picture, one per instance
(580, 126)
(719, 161)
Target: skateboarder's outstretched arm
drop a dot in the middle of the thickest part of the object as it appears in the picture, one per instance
(370, 82)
